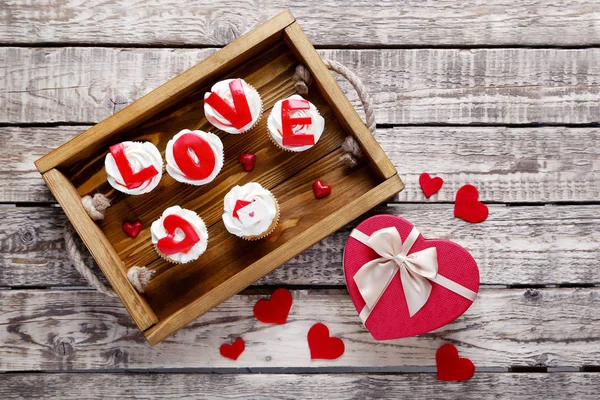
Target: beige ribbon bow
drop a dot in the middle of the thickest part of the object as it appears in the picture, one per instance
(417, 270)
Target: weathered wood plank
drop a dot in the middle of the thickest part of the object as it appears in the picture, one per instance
(549, 164)
(445, 86)
(516, 245)
(331, 22)
(581, 386)
(80, 330)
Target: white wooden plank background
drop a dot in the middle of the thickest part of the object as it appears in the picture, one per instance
(501, 94)
(515, 386)
(329, 22)
(409, 86)
(83, 330)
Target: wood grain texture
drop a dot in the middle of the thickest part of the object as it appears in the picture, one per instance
(100, 248)
(516, 245)
(441, 86)
(548, 164)
(81, 330)
(330, 22)
(582, 386)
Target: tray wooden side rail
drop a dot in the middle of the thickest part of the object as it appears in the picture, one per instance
(178, 294)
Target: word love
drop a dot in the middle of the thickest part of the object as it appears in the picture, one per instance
(290, 138)
(132, 180)
(238, 116)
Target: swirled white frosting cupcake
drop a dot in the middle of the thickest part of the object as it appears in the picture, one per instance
(233, 106)
(194, 157)
(295, 124)
(179, 235)
(251, 211)
(134, 167)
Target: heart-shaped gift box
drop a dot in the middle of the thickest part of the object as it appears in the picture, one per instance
(414, 285)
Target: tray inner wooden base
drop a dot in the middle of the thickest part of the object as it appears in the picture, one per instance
(288, 175)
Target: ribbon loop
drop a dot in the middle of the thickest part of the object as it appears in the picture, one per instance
(415, 269)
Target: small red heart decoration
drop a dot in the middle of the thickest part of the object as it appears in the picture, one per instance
(132, 229)
(321, 190)
(322, 345)
(248, 161)
(234, 350)
(450, 367)
(467, 205)
(276, 309)
(430, 185)
(168, 245)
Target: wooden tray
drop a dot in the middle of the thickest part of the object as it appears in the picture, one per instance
(266, 58)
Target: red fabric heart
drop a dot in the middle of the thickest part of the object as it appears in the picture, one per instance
(321, 190)
(322, 345)
(467, 205)
(275, 310)
(248, 161)
(390, 318)
(450, 367)
(430, 185)
(132, 229)
(168, 245)
(234, 350)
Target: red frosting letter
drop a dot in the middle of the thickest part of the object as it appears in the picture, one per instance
(131, 179)
(287, 122)
(168, 245)
(188, 165)
(239, 116)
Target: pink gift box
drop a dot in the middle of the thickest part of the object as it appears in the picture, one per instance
(390, 318)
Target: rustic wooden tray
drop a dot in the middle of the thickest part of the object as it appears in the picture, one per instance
(266, 58)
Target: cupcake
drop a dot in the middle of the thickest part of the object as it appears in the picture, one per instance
(233, 106)
(134, 167)
(179, 235)
(295, 124)
(194, 157)
(251, 211)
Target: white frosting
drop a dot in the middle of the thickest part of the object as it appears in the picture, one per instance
(222, 89)
(253, 219)
(158, 232)
(276, 130)
(177, 174)
(140, 156)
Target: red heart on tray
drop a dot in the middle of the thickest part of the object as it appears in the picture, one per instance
(168, 244)
(275, 310)
(390, 317)
(430, 185)
(321, 190)
(248, 161)
(132, 229)
(322, 345)
(450, 367)
(467, 205)
(234, 350)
